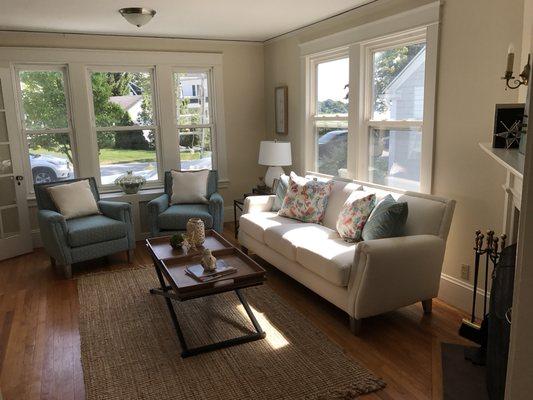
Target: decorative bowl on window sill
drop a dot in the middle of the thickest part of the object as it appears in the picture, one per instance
(129, 183)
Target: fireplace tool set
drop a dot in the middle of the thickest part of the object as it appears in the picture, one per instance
(490, 247)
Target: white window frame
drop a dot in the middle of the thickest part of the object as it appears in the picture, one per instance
(83, 138)
(312, 117)
(212, 125)
(25, 132)
(154, 127)
(411, 25)
(367, 123)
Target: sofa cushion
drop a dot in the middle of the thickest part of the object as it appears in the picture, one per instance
(175, 217)
(340, 192)
(330, 258)
(287, 237)
(255, 224)
(94, 229)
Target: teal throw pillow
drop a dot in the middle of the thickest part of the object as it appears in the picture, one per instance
(387, 219)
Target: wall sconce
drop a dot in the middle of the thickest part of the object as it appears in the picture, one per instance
(524, 75)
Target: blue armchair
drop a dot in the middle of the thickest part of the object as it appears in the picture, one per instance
(85, 238)
(166, 218)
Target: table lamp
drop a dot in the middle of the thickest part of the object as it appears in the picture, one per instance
(275, 155)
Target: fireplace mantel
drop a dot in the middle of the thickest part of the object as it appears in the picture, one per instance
(513, 162)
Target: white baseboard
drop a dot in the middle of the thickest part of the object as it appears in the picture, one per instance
(458, 293)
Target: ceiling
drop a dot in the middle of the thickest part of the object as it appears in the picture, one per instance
(255, 20)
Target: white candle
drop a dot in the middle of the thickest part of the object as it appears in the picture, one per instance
(510, 58)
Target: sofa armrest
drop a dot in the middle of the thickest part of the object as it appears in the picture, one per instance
(53, 230)
(216, 209)
(258, 203)
(115, 209)
(391, 273)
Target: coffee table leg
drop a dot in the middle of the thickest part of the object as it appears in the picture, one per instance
(187, 352)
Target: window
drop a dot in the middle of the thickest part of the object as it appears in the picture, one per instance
(125, 123)
(396, 115)
(195, 123)
(369, 107)
(46, 126)
(330, 119)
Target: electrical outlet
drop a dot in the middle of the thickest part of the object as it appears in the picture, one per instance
(465, 272)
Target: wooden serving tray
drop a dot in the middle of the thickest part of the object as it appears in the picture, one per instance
(162, 250)
(249, 273)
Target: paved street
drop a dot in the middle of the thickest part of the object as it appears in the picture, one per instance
(146, 169)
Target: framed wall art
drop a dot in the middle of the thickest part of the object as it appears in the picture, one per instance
(281, 98)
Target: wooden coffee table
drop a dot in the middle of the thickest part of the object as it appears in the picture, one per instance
(170, 267)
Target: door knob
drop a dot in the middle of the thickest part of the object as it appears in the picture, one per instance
(19, 178)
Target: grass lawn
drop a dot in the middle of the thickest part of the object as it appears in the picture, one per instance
(121, 156)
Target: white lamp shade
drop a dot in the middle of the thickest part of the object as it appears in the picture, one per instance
(276, 154)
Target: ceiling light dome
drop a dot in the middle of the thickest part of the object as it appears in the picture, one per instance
(137, 16)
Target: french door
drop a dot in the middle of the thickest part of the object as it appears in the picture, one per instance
(15, 234)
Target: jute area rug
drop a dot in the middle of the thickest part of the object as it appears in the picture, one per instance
(129, 348)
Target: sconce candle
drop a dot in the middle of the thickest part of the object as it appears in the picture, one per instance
(510, 59)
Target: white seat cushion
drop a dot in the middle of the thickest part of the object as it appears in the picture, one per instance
(287, 237)
(254, 224)
(330, 258)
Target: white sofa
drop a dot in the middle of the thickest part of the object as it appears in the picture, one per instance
(363, 279)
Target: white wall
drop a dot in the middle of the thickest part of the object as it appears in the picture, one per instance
(474, 36)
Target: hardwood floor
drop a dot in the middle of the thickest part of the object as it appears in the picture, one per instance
(40, 343)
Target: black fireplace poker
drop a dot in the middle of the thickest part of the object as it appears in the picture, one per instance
(490, 247)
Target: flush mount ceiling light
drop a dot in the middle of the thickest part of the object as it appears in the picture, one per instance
(137, 16)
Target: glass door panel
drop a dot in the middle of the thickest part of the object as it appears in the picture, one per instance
(15, 236)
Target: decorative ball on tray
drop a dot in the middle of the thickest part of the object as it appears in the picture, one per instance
(177, 240)
(129, 183)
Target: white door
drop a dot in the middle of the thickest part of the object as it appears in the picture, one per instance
(15, 234)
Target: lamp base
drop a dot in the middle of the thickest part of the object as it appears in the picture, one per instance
(271, 174)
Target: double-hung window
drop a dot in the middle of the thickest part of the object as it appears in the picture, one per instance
(330, 113)
(125, 121)
(394, 116)
(46, 124)
(195, 121)
(369, 110)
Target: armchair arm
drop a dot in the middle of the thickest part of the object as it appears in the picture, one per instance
(216, 209)
(53, 229)
(156, 207)
(391, 273)
(120, 211)
(115, 209)
(258, 203)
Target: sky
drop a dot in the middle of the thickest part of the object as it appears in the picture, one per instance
(332, 77)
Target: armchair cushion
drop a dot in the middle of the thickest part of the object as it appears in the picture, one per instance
(176, 216)
(74, 199)
(94, 229)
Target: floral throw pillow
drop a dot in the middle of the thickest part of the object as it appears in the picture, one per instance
(354, 214)
(306, 200)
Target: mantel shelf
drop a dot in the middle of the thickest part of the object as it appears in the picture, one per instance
(511, 159)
